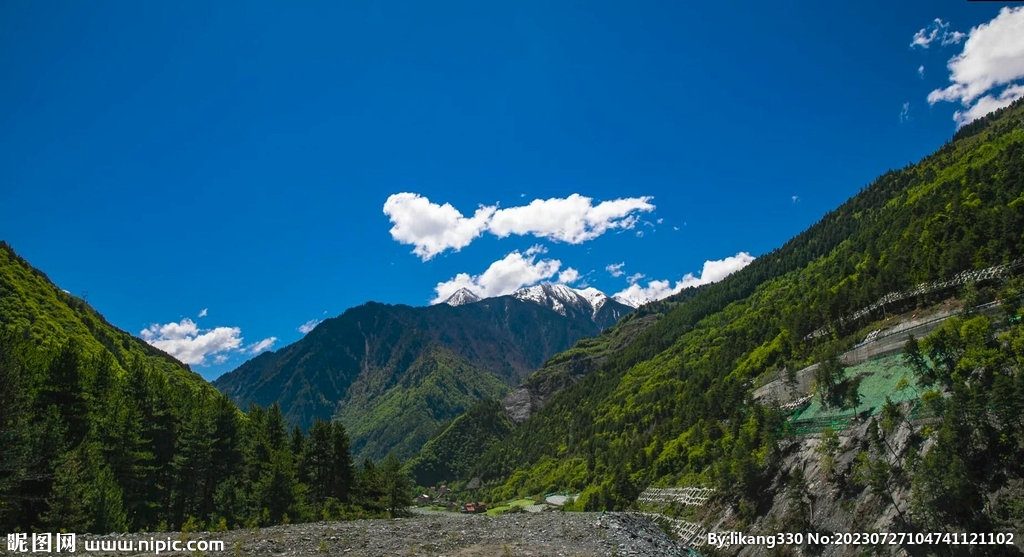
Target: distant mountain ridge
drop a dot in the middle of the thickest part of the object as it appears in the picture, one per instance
(561, 299)
(376, 364)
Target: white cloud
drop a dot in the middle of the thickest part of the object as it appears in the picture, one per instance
(194, 346)
(308, 326)
(660, 221)
(502, 277)
(989, 103)
(920, 71)
(713, 271)
(634, 278)
(257, 347)
(992, 57)
(434, 228)
(202, 313)
(639, 233)
(795, 198)
(568, 276)
(190, 344)
(573, 220)
(905, 113)
(675, 228)
(937, 30)
(616, 269)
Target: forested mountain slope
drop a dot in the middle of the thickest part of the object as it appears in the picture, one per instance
(50, 317)
(584, 357)
(376, 366)
(100, 432)
(455, 452)
(673, 405)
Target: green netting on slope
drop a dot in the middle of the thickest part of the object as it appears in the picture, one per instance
(881, 375)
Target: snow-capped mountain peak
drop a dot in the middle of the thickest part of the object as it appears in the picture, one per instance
(559, 297)
(595, 297)
(462, 297)
(632, 301)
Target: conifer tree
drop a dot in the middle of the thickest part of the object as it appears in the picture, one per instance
(225, 453)
(277, 493)
(318, 462)
(298, 442)
(148, 493)
(128, 455)
(68, 506)
(370, 487)
(15, 421)
(85, 497)
(275, 427)
(397, 486)
(49, 446)
(65, 389)
(104, 496)
(343, 469)
(192, 463)
(101, 377)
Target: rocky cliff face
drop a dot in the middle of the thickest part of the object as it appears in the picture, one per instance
(519, 404)
(568, 367)
(825, 489)
(822, 485)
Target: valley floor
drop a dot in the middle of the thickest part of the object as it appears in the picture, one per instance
(449, 534)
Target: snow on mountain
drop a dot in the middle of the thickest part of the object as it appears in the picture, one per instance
(462, 297)
(558, 297)
(632, 301)
(594, 297)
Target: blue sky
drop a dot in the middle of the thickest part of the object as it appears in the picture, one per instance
(238, 158)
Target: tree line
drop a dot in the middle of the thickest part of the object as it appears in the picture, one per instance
(91, 446)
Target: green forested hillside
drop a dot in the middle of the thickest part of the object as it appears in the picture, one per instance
(457, 450)
(50, 317)
(584, 357)
(673, 406)
(374, 367)
(971, 375)
(436, 388)
(100, 432)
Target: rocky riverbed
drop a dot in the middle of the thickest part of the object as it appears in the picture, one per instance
(555, 534)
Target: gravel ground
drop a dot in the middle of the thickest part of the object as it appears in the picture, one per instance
(438, 534)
